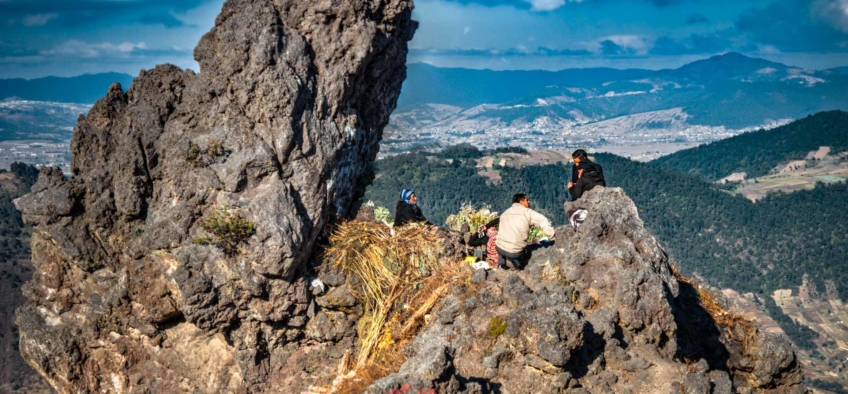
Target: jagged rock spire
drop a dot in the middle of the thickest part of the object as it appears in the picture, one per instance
(277, 130)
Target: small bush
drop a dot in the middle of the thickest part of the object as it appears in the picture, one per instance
(497, 327)
(203, 157)
(215, 149)
(228, 229)
(193, 155)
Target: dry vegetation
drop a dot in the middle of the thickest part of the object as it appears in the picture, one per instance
(400, 279)
(717, 312)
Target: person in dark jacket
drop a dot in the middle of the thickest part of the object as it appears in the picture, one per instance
(407, 210)
(585, 175)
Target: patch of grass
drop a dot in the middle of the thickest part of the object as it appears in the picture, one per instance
(215, 149)
(496, 328)
(193, 155)
(228, 229)
(203, 157)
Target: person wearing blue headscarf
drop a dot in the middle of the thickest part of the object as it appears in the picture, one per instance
(407, 210)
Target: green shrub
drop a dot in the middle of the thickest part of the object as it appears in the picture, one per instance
(203, 157)
(228, 230)
(193, 155)
(497, 326)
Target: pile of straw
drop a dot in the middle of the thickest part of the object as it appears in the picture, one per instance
(399, 280)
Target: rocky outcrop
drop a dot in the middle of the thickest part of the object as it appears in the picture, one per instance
(599, 312)
(179, 256)
(276, 134)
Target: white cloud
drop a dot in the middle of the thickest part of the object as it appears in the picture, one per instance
(38, 19)
(632, 44)
(77, 48)
(549, 5)
(835, 12)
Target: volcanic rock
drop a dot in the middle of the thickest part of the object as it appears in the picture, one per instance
(599, 312)
(132, 290)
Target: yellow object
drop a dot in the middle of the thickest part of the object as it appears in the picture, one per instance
(471, 260)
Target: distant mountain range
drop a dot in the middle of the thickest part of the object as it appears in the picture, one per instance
(700, 102)
(730, 90)
(84, 89)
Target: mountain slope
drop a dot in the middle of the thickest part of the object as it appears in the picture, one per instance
(27, 120)
(697, 222)
(467, 87)
(84, 89)
(730, 66)
(716, 98)
(757, 153)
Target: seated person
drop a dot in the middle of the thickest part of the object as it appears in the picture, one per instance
(487, 235)
(407, 210)
(585, 175)
(515, 222)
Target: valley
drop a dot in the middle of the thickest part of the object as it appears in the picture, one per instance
(642, 136)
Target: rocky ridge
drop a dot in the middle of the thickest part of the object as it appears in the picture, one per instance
(601, 311)
(135, 291)
(278, 129)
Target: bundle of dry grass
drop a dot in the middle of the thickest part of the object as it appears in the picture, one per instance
(399, 281)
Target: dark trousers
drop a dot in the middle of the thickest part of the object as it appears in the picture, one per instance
(581, 186)
(517, 260)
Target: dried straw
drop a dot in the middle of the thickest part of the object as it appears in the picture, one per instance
(399, 280)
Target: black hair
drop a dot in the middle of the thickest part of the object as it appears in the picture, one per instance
(579, 154)
(519, 198)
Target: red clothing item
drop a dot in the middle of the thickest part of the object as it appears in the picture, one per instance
(492, 253)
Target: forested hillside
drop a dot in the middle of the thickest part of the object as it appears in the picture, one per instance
(759, 152)
(443, 186)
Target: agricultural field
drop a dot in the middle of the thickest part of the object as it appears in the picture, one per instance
(818, 166)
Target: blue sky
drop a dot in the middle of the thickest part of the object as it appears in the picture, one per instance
(61, 37)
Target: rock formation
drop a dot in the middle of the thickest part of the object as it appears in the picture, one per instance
(277, 132)
(179, 256)
(598, 312)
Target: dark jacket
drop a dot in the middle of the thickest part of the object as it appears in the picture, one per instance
(593, 172)
(408, 213)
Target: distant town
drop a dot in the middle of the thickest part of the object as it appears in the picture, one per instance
(37, 153)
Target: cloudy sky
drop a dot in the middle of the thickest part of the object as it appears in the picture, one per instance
(61, 37)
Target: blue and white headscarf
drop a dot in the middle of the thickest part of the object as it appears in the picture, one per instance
(404, 195)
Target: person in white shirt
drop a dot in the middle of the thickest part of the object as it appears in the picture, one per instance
(514, 229)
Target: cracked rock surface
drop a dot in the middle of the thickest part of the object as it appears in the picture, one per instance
(131, 293)
(280, 127)
(600, 311)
